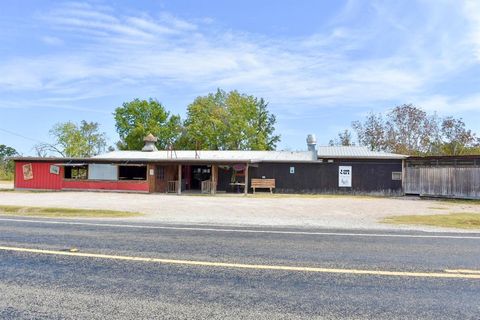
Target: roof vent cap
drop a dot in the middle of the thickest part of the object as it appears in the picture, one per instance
(150, 141)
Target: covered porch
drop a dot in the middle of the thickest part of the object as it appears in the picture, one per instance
(199, 177)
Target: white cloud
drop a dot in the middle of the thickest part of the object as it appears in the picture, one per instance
(451, 105)
(383, 59)
(53, 41)
(472, 12)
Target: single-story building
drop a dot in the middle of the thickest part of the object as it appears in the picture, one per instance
(331, 170)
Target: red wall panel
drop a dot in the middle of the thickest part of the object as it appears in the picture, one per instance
(42, 178)
(106, 185)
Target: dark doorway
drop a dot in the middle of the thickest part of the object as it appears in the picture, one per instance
(199, 174)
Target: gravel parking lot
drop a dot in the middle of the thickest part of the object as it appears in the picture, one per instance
(301, 211)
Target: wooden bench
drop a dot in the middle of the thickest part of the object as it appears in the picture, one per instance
(263, 184)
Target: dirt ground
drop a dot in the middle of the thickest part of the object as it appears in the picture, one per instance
(343, 212)
(6, 185)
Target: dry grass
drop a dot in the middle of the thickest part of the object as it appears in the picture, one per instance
(452, 220)
(64, 212)
(310, 196)
(461, 201)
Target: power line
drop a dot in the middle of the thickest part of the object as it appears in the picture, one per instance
(21, 135)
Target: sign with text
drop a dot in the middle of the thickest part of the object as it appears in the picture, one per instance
(345, 176)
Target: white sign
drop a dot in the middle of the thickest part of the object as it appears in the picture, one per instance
(345, 176)
(292, 170)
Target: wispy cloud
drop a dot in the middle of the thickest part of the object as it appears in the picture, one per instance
(381, 59)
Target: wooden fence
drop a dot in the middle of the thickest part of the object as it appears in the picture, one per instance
(172, 186)
(206, 186)
(448, 182)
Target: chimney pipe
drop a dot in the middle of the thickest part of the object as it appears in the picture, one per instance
(312, 145)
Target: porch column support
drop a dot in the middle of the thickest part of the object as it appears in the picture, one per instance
(213, 182)
(246, 179)
(179, 184)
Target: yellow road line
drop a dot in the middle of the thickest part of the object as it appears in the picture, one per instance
(248, 266)
(468, 271)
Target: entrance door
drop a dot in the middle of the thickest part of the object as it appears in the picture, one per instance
(161, 179)
(199, 174)
(164, 173)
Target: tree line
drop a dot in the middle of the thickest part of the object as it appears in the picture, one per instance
(217, 121)
(410, 130)
(235, 121)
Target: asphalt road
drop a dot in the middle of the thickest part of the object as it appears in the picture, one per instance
(48, 285)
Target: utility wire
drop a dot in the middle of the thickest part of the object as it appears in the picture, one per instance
(21, 135)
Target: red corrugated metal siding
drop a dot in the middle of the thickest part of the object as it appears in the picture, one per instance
(42, 178)
(106, 185)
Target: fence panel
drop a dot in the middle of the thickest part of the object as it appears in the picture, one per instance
(450, 182)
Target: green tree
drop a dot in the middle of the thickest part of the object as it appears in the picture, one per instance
(229, 121)
(136, 119)
(72, 140)
(6, 165)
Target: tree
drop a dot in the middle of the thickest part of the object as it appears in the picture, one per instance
(455, 138)
(264, 137)
(6, 165)
(136, 119)
(344, 139)
(229, 121)
(410, 130)
(6, 152)
(371, 132)
(72, 140)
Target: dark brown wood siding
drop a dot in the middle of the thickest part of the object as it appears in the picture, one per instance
(368, 177)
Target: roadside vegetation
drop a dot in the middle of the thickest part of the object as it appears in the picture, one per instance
(64, 212)
(452, 220)
(6, 165)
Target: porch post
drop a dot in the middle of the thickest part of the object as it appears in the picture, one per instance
(213, 182)
(179, 184)
(246, 179)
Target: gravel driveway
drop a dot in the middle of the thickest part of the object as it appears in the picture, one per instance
(302, 211)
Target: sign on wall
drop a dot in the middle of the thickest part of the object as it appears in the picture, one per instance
(292, 170)
(27, 171)
(345, 176)
(54, 169)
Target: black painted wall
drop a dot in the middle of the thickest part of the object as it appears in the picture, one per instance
(368, 177)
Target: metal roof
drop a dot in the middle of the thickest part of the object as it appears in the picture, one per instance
(209, 155)
(354, 152)
(220, 156)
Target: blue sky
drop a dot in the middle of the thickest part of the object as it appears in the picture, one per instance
(320, 64)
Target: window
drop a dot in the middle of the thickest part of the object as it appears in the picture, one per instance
(161, 173)
(79, 172)
(98, 171)
(132, 172)
(396, 176)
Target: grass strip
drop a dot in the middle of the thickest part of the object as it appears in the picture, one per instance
(64, 212)
(451, 220)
